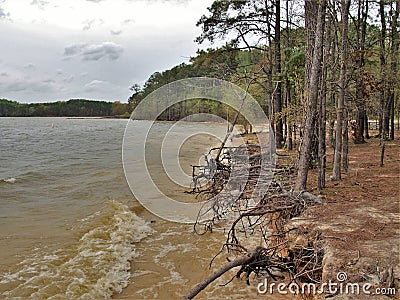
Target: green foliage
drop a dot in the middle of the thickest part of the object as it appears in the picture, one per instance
(224, 63)
(70, 108)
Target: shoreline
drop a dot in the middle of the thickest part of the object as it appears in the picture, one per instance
(358, 224)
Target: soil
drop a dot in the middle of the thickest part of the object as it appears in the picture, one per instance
(360, 220)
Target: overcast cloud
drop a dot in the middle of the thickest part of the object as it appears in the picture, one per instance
(93, 49)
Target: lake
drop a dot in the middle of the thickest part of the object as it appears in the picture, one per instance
(70, 227)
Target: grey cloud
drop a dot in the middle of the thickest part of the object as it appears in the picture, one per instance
(36, 86)
(3, 14)
(95, 85)
(89, 23)
(127, 21)
(16, 87)
(69, 79)
(4, 74)
(40, 3)
(115, 32)
(95, 52)
(74, 49)
(30, 66)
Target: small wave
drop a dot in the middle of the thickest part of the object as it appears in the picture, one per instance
(8, 180)
(96, 268)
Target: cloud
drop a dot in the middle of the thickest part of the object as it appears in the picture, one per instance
(35, 86)
(95, 85)
(40, 3)
(127, 21)
(123, 23)
(87, 24)
(69, 79)
(3, 14)
(115, 32)
(74, 49)
(94, 52)
(30, 66)
(4, 74)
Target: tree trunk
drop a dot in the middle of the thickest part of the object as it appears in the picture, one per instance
(322, 110)
(333, 78)
(360, 84)
(342, 93)
(366, 125)
(289, 128)
(289, 135)
(305, 151)
(278, 69)
(394, 54)
(322, 134)
(345, 149)
(332, 134)
(383, 105)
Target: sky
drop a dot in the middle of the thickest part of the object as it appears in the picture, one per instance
(55, 50)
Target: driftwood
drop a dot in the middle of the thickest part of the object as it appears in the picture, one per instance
(264, 216)
(239, 261)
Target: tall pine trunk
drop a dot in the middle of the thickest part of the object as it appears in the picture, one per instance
(383, 106)
(394, 36)
(360, 84)
(342, 93)
(278, 69)
(312, 99)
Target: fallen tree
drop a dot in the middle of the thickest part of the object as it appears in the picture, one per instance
(294, 254)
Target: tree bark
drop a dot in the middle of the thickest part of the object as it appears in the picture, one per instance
(360, 84)
(322, 111)
(305, 151)
(342, 93)
(278, 69)
(345, 149)
(366, 125)
(394, 54)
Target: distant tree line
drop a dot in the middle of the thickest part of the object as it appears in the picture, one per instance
(222, 63)
(70, 108)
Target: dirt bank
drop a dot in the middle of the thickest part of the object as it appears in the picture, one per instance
(360, 220)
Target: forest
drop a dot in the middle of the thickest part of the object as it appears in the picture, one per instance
(324, 72)
(70, 108)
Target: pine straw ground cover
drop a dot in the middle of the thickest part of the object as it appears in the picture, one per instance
(360, 219)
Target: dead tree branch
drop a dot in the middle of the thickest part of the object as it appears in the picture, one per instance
(239, 261)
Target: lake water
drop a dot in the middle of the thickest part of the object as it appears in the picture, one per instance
(70, 227)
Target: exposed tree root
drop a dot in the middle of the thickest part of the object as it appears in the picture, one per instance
(291, 253)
